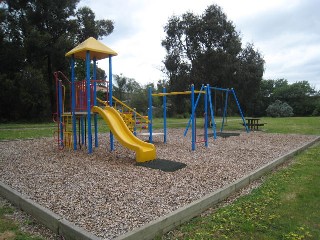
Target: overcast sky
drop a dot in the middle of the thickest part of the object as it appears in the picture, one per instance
(286, 32)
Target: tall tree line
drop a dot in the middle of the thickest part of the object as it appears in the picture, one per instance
(206, 48)
(34, 37)
(302, 97)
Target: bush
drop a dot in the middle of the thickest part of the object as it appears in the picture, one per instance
(316, 111)
(279, 109)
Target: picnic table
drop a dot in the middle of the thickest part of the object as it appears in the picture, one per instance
(254, 123)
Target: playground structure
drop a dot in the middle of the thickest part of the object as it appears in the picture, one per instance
(206, 91)
(79, 104)
(130, 116)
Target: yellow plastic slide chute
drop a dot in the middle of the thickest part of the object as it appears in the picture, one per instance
(144, 151)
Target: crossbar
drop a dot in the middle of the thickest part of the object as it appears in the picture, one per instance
(176, 93)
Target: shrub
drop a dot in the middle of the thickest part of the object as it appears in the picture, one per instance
(279, 109)
(316, 111)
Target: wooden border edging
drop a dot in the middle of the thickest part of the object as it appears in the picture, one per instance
(54, 222)
(170, 221)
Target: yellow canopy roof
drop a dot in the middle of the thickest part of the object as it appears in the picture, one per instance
(96, 48)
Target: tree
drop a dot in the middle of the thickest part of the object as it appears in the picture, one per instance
(34, 37)
(126, 88)
(299, 95)
(207, 49)
(87, 26)
(119, 86)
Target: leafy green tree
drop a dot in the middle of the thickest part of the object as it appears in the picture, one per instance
(264, 98)
(316, 111)
(298, 95)
(131, 92)
(119, 86)
(249, 77)
(205, 49)
(34, 37)
(87, 26)
(33, 94)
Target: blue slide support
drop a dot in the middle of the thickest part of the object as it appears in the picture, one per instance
(110, 99)
(88, 102)
(150, 114)
(164, 116)
(73, 104)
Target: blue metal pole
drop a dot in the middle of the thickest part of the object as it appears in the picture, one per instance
(164, 116)
(189, 122)
(212, 113)
(224, 111)
(193, 138)
(95, 117)
(238, 104)
(110, 99)
(73, 104)
(150, 114)
(206, 116)
(88, 102)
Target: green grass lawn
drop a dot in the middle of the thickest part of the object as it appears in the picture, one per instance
(300, 125)
(9, 228)
(285, 206)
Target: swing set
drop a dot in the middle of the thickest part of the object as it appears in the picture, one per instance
(206, 91)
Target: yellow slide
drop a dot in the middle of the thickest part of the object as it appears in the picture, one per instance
(144, 151)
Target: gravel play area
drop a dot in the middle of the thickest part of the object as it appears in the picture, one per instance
(108, 195)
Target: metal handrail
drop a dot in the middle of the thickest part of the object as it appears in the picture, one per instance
(126, 106)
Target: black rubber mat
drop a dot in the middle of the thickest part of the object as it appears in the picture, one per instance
(163, 165)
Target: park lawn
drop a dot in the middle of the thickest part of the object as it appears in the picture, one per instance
(9, 228)
(24, 130)
(299, 125)
(285, 206)
(10, 131)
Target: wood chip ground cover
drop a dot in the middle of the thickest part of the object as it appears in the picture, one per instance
(108, 195)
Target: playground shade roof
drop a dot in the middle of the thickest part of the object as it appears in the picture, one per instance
(97, 50)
